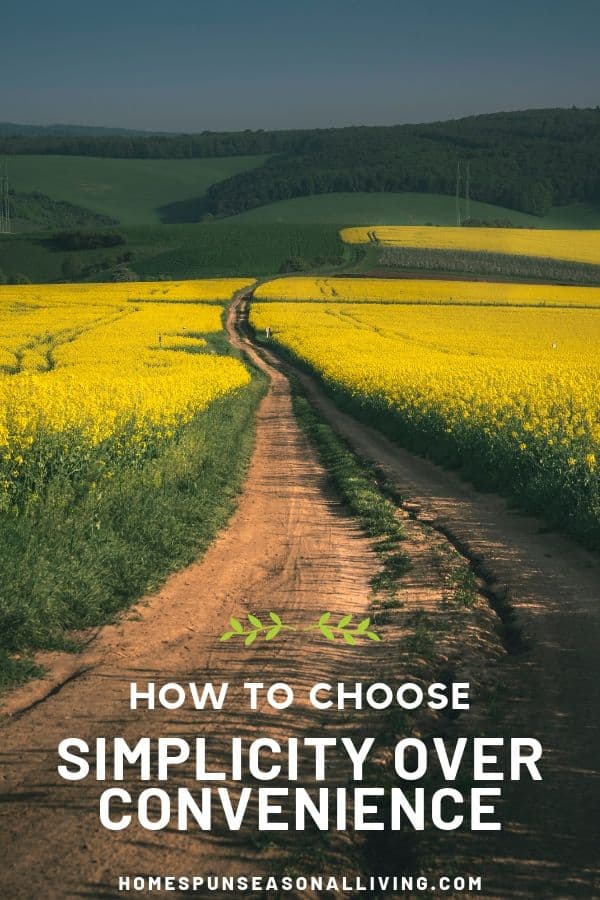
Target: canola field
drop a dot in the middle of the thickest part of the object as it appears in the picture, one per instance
(509, 394)
(575, 246)
(108, 371)
(426, 291)
(202, 290)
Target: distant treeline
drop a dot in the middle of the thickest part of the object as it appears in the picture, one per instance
(527, 160)
(179, 146)
(14, 128)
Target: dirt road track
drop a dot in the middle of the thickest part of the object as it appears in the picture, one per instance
(289, 548)
(551, 843)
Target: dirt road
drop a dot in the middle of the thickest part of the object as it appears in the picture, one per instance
(291, 548)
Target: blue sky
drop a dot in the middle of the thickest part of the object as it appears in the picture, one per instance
(229, 64)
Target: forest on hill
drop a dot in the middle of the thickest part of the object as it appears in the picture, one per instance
(529, 160)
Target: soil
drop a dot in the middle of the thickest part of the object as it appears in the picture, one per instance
(292, 548)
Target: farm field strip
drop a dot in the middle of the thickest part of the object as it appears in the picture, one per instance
(211, 290)
(426, 291)
(509, 393)
(575, 245)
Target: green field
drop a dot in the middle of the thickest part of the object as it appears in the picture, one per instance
(184, 251)
(134, 191)
(159, 205)
(240, 245)
(408, 209)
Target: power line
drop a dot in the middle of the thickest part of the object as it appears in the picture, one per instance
(468, 191)
(458, 180)
(4, 203)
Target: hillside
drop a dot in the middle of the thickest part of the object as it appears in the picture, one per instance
(409, 209)
(132, 191)
(270, 202)
(528, 161)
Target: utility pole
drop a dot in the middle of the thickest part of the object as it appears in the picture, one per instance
(458, 177)
(468, 191)
(4, 203)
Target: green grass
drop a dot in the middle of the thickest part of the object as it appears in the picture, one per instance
(76, 554)
(408, 209)
(134, 191)
(184, 251)
(356, 482)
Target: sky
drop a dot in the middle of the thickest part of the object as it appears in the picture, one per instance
(191, 65)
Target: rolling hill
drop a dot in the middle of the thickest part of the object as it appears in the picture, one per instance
(529, 160)
(132, 191)
(409, 209)
(265, 202)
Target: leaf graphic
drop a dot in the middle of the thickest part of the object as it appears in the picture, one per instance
(275, 625)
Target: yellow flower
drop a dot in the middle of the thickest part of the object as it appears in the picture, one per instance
(581, 246)
(482, 376)
(429, 292)
(89, 366)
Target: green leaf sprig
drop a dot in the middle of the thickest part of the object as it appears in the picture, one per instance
(271, 629)
(345, 629)
(350, 632)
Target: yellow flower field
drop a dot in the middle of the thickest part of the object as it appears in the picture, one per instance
(85, 364)
(577, 246)
(426, 291)
(511, 393)
(212, 290)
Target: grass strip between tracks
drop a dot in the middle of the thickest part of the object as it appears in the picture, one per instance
(357, 483)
